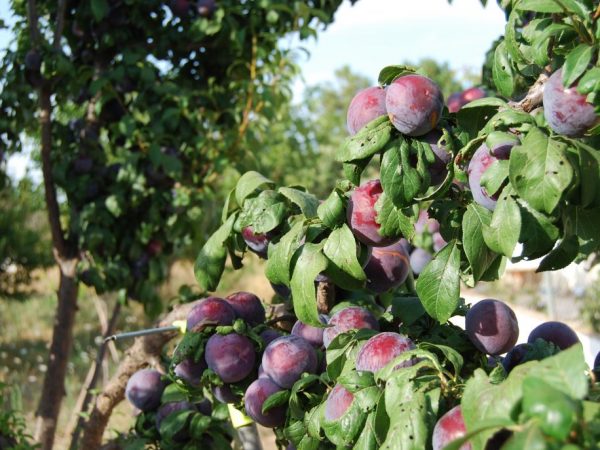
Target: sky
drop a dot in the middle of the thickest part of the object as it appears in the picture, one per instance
(373, 34)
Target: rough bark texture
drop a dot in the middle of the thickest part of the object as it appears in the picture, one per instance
(534, 96)
(325, 297)
(142, 353)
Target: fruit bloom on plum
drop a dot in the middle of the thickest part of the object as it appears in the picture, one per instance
(367, 105)
(449, 427)
(492, 326)
(351, 318)
(382, 348)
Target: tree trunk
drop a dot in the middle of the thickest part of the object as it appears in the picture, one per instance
(62, 341)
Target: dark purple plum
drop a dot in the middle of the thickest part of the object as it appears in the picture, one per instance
(338, 402)
(204, 407)
(170, 408)
(144, 389)
(449, 427)
(269, 335)
(419, 258)
(230, 356)
(256, 395)
(247, 306)
(287, 358)
(558, 333)
(501, 144)
(367, 105)
(596, 366)
(414, 104)
(181, 8)
(312, 334)
(438, 169)
(257, 242)
(282, 290)
(438, 242)
(482, 159)
(459, 99)
(492, 326)
(211, 311)
(224, 394)
(566, 110)
(362, 217)
(206, 8)
(455, 102)
(515, 357)
(382, 348)
(352, 318)
(387, 268)
(190, 371)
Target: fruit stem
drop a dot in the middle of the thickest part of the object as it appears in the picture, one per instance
(131, 334)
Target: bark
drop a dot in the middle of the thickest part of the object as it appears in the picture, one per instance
(142, 353)
(325, 297)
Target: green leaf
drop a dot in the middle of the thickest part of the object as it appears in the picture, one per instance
(279, 263)
(583, 223)
(332, 211)
(590, 82)
(495, 176)
(265, 212)
(502, 71)
(531, 438)
(400, 180)
(210, 262)
(394, 221)
(311, 262)
(354, 381)
(340, 249)
(307, 202)
(576, 63)
(368, 141)
(113, 205)
(540, 171)
(561, 256)
(248, 183)
(538, 232)
(367, 440)
(279, 398)
(449, 353)
(407, 309)
(175, 423)
(438, 285)
(390, 73)
(100, 9)
(542, 6)
(478, 254)
(354, 169)
(504, 230)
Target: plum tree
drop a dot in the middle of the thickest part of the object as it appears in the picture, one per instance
(247, 306)
(211, 311)
(382, 348)
(438, 169)
(515, 356)
(313, 335)
(190, 371)
(351, 318)
(254, 399)
(558, 333)
(566, 110)
(230, 356)
(419, 258)
(169, 408)
(414, 104)
(257, 242)
(387, 268)
(366, 105)
(287, 358)
(224, 394)
(492, 326)
(449, 427)
(338, 402)
(144, 389)
(362, 217)
(480, 162)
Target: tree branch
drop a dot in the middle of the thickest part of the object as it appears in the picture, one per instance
(534, 96)
(325, 296)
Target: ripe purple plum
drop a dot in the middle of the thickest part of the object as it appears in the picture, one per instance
(338, 402)
(351, 318)
(313, 335)
(414, 104)
(455, 102)
(566, 110)
(256, 242)
(204, 407)
(190, 371)
(255, 397)
(269, 335)
(170, 408)
(449, 427)
(211, 311)
(492, 326)
(387, 268)
(367, 105)
(206, 8)
(482, 159)
(596, 366)
(247, 306)
(438, 169)
(144, 389)
(287, 358)
(224, 394)
(382, 348)
(181, 8)
(230, 356)
(515, 357)
(558, 333)
(438, 242)
(459, 99)
(362, 217)
(425, 221)
(419, 258)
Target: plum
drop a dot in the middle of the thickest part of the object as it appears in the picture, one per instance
(338, 402)
(367, 105)
(247, 306)
(414, 104)
(566, 110)
(557, 333)
(515, 357)
(254, 399)
(482, 159)
(190, 371)
(492, 326)
(313, 335)
(181, 8)
(387, 268)
(459, 99)
(206, 8)
(211, 311)
(204, 407)
(438, 169)
(170, 408)
(424, 221)
(224, 394)
(144, 389)
(382, 348)
(269, 335)
(596, 366)
(287, 358)
(438, 241)
(419, 258)
(449, 427)
(230, 356)
(351, 318)
(362, 217)
(256, 242)
(455, 102)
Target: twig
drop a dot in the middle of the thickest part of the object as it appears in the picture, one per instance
(534, 96)
(325, 296)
